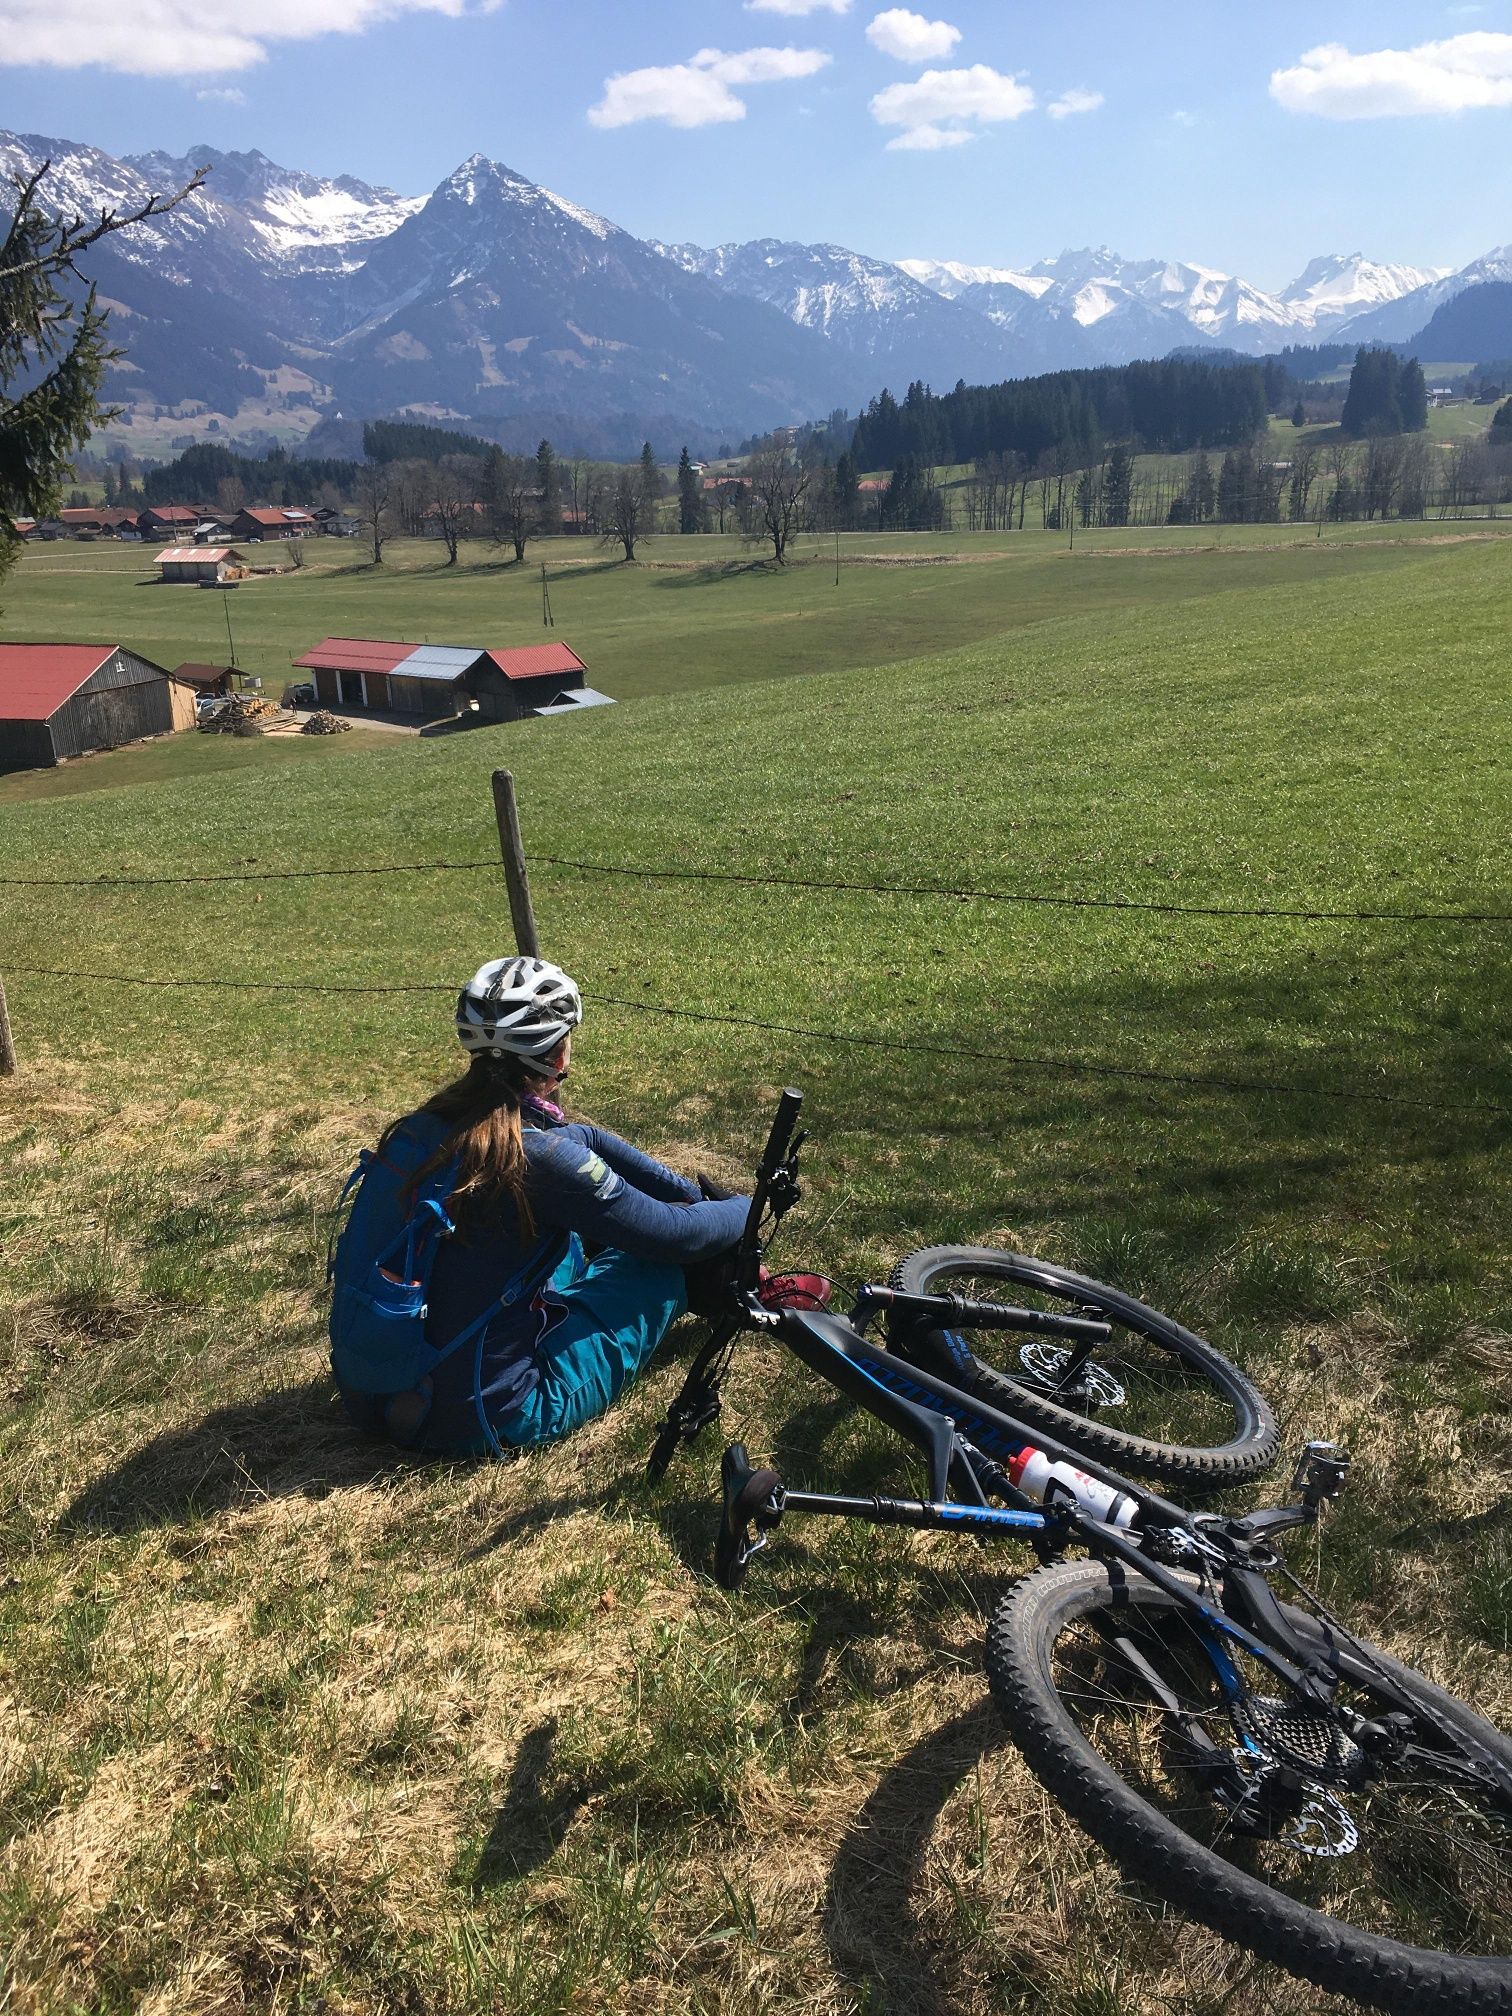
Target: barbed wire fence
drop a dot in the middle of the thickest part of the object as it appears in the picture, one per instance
(513, 860)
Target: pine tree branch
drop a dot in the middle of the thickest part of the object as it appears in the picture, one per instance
(76, 235)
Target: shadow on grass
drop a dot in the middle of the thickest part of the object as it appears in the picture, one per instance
(870, 1923)
(711, 577)
(295, 1442)
(533, 1816)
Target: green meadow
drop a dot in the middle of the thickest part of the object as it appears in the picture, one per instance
(291, 1725)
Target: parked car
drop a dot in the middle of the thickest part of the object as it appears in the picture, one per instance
(302, 695)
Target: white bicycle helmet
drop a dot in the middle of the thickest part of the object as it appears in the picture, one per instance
(518, 1007)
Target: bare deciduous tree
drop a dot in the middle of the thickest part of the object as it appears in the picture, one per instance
(453, 508)
(509, 499)
(624, 512)
(374, 491)
(778, 488)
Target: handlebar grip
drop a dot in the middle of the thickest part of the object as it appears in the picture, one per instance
(788, 1108)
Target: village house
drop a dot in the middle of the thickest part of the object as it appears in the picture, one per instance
(97, 522)
(259, 521)
(169, 521)
(207, 566)
(436, 681)
(62, 700)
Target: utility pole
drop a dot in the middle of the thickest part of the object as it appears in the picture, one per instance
(837, 552)
(512, 848)
(546, 615)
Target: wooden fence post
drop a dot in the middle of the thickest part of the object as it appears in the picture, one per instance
(7, 1044)
(512, 847)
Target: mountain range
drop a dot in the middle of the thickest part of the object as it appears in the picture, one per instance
(272, 301)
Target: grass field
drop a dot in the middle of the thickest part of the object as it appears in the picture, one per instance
(291, 1726)
(695, 612)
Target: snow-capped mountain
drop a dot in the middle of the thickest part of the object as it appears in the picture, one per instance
(1122, 306)
(866, 307)
(1345, 284)
(271, 298)
(950, 278)
(490, 297)
(1397, 321)
(498, 297)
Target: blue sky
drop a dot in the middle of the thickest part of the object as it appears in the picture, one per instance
(1244, 137)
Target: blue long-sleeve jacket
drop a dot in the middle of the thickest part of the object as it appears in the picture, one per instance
(582, 1179)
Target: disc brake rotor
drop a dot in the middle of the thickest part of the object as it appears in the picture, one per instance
(1307, 1818)
(1323, 1827)
(1046, 1364)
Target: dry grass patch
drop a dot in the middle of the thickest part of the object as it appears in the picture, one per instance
(287, 1723)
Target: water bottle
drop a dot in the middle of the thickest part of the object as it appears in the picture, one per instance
(1033, 1473)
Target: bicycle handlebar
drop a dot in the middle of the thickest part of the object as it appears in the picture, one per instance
(772, 1158)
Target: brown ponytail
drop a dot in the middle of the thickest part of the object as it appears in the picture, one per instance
(486, 1135)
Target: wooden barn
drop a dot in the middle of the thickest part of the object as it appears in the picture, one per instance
(62, 700)
(437, 680)
(531, 679)
(203, 565)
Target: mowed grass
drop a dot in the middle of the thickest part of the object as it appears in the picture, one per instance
(691, 612)
(292, 1725)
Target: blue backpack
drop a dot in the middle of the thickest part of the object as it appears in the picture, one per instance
(379, 1269)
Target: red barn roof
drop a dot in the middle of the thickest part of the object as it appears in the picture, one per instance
(36, 679)
(534, 661)
(172, 514)
(355, 654)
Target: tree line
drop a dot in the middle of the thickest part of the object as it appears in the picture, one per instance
(1170, 405)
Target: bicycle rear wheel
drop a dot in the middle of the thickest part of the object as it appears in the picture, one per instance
(1155, 1399)
(1388, 1880)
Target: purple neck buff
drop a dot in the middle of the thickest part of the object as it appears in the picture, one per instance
(547, 1108)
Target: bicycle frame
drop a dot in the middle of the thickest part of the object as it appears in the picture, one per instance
(965, 1443)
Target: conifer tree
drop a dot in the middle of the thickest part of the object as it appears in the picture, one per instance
(1118, 486)
(1412, 397)
(1299, 415)
(52, 350)
(548, 482)
(847, 491)
(692, 510)
(650, 479)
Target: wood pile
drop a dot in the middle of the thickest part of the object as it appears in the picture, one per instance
(241, 714)
(324, 722)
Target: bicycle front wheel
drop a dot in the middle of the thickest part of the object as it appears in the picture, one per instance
(1383, 1875)
(1155, 1399)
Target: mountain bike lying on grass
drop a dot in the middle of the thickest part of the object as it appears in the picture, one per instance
(1248, 1758)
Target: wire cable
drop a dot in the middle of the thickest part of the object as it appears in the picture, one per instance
(1072, 1067)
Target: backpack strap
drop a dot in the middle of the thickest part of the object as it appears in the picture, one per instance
(364, 1158)
(542, 1262)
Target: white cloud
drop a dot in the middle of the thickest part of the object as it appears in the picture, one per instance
(221, 94)
(929, 139)
(797, 8)
(1463, 74)
(697, 93)
(909, 37)
(940, 107)
(181, 38)
(1071, 102)
(1182, 118)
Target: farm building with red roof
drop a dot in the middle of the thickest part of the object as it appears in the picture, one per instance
(444, 679)
(61, 700)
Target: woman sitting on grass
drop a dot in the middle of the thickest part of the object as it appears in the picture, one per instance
(524, 1337)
